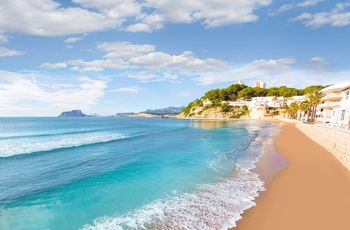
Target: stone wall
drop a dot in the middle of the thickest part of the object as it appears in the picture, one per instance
(335, 141)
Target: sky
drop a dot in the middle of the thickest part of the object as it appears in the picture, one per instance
(113, 56)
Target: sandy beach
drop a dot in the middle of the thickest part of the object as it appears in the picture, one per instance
(312, 190)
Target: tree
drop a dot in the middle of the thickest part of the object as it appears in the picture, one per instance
(273, 91)
(274, 99)
(314, 99)
(313, 88)
(225, 107)
(287, 92)
(246, 93)
(304, 106)
(231, 92)
(293, 109)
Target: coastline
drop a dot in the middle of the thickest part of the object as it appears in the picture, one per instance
(312, 190)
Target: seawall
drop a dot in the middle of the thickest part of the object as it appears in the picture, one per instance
(335, 141)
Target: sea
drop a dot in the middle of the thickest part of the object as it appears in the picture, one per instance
(128, 173)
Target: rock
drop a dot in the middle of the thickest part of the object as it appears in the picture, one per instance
(73, 113)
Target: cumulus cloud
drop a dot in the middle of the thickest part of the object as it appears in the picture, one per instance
(53, 65)
(283, 8)
(131, 89)
(99, 64)
(124, 55)
(186, 60)
(130, 15)
(57, 21)
(337, 17)
(5, 52)
(318, 62)
(22, 88)
(309, 3)
(274, 65)
(211, 13)
(72, 39)
(124, 50)
(88, 69)
(117, 9)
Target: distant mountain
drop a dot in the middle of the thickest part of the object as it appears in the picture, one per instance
(169, 110)
(73, 113)
(123, 114)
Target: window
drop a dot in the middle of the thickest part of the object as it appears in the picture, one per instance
(342, 113)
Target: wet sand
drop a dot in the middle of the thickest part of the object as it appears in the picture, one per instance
(312, 190)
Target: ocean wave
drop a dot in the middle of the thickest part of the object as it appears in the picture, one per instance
(12, 149)
(213, 206)
(38, 135)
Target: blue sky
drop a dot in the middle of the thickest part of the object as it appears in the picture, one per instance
(105, 56)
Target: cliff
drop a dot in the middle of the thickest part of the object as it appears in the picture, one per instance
(221, 111)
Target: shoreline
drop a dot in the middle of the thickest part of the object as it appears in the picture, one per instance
(311, 190)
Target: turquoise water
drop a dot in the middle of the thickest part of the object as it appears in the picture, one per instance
(126, 173)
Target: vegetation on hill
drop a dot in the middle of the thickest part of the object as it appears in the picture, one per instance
(218, 97)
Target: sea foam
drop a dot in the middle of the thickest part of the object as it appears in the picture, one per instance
(213, 206)
(19, 148)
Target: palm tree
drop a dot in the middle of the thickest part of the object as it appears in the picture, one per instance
(303, 108)
(274, 99)
(293, 109)
(314, 99)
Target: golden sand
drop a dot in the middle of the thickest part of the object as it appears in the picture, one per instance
(311, 192)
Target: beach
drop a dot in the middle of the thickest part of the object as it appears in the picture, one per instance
(311, 190)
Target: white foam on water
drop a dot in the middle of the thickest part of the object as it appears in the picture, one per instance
(12, 149)
(213, 206)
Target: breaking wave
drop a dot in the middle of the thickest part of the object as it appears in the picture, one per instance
(12, 149)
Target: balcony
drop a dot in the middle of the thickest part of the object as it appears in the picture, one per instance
(332, 97)
(329, 104)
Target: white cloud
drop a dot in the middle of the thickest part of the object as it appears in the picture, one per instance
(117, 9)
(318, 62)
(5, 52)
(3, 39)
(129, 15)
(274, 65)
(101, 64)
(283, 8)
(212, 13)
(124, 50)
(49, 18)
(72, 39)
(131, 89)
(309, 3)
(336, 17)
(27, 88)
(124, 55)
(160, 61)
(53, 66)
(89, 69)
(149, 76)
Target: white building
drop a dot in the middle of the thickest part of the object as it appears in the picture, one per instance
(260, 84)
(269, 102)
(335, 106)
